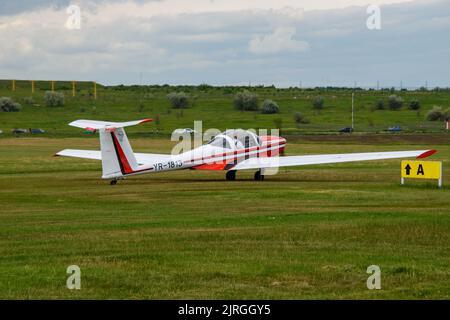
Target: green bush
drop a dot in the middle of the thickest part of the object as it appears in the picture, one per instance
(414, 104)
(28, 100)
(8, 105)
(204, 87)
(395, 102)
(246, 101)
(228, 90)
(379, 105)
(299, 119)
(270, 107)
(318, 103)
(178, 100)
(438, 114)
(54, 99)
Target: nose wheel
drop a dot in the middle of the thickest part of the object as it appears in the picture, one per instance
(231, 175)
(259, 176)
(113, 182)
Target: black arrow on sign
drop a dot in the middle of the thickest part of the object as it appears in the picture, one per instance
(408, 170)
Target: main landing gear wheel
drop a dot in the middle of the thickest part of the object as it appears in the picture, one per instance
(231, 175)
(259, 176)
(113, 182)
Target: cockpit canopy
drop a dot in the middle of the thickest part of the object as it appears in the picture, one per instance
(235, 139)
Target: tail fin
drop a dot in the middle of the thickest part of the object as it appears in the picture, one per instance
(118, 158)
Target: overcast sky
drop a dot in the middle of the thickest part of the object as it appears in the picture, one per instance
(282, 42)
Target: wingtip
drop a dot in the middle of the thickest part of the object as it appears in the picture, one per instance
(426, 154)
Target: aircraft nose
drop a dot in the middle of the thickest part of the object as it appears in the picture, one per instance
(274, 139)
(277, 139)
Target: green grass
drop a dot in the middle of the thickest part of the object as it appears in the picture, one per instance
(305, 233)
(214, 106)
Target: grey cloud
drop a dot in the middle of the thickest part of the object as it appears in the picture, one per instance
(9, 7)
(337, 49)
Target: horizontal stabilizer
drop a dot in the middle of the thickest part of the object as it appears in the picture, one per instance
(92, 125)
(84, 154)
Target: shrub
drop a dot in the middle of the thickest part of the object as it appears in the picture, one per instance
(270, 107)
(28, 100)
(379, 105)
(395, 102)
(318, 103)
(8, 105)
(54, 99)
(437, 114)
(414, 104)
(178, 100)
(228, 90)
(299, 119)
(246, 101)
(204, 87)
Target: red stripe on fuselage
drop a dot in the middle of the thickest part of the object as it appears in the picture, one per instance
(212, 166)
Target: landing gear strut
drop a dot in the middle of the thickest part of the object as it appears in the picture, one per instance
(113, 182)
(259, 176)
(231, 175)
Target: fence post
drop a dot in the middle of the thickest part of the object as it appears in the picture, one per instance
(73, 88)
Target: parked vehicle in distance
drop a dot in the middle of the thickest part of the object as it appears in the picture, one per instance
(395, 129)
(19, 131)
(37, 131)
(346, 130)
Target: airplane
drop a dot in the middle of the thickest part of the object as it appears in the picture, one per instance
(230, 151)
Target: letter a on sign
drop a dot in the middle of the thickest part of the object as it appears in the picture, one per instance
(420, 170)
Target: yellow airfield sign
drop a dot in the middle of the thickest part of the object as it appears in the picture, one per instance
(414, 169)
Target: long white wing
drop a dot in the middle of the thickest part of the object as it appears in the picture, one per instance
(141, 158)
(275, 162)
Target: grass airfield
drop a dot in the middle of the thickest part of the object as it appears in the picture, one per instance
(307, 233)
